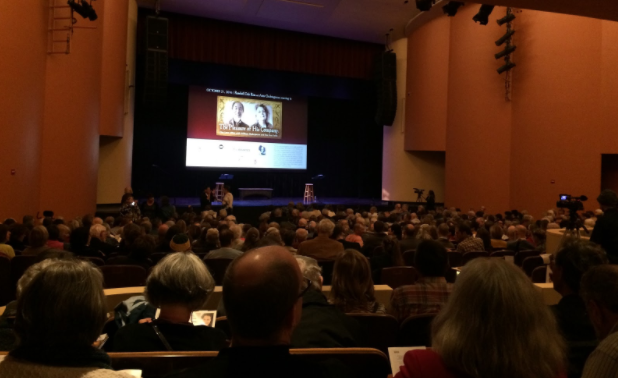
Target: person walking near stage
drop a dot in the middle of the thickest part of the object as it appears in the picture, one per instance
(228, 200)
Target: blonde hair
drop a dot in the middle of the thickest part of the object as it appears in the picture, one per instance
(352, 285)
(495, 324)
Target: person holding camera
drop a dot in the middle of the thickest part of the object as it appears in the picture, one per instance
(605, 232)
(130, 208)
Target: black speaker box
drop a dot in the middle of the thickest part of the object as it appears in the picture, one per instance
(385, 77)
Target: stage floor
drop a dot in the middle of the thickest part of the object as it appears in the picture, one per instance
(283, 201)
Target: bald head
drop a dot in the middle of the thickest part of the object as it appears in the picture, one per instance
(260, 294)
(511, 232)
(97, 220)
(521, 232)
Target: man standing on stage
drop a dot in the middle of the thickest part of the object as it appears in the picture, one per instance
(206, 198)
(228, 200)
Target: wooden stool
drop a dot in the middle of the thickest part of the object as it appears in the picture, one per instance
(219, 191)
(309, 196)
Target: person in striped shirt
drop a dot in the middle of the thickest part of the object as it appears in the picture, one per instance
(429, 294)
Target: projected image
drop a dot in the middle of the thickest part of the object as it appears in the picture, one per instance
(248, 118)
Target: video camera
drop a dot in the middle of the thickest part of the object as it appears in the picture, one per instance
(574, 204)
(418, 191)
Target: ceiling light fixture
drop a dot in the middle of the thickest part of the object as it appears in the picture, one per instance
(451, 8)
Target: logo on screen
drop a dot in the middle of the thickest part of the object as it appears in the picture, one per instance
(220, 146)
(262, 150)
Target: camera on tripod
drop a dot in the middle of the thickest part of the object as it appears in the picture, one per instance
(574, 204)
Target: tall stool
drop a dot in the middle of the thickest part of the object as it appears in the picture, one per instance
(219, 191)
(309, 196)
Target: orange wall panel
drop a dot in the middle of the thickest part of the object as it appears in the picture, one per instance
(609, 88)
(479, 118)
(70, 143)
(427, 86)
(113, 67)
(556, 110)
(23, 38)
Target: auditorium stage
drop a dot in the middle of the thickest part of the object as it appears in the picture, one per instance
(249, 210)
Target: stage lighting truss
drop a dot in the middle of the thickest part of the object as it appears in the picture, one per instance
(61, 23)
(509, 49)
(482, 17)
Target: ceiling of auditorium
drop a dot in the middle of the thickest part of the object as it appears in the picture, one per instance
(362, 20)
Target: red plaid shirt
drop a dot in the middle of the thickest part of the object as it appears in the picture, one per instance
(427, 296)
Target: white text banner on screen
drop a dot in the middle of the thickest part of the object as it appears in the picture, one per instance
(235, 154)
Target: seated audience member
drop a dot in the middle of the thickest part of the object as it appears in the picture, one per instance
(251, 238)
(53, 239)
(301, 236)
(139, 254)
(130, 232)
(288, 236)
(604, 232)
(599, 290)
(37, 240)
(467, 243)
(539, 237)
(374, 239)
(17, 237)
(322, 325)
(572, 261)
(8, 340)
(386, 257)
(483, 234)
(497, 243)
(150, 208)
(98, 240)
(178, 285)
(395, 231)
(226, 251)
(79, 243)
(357, 236)
(474, 334)
(431, 292)
(209, 240)
(60, 314)
(180, 243)
(444, 232)
(352, 287)
(409, 242)
(521, 244)
(237, 231)
(5, 249)
(262, 292)
(322, 247)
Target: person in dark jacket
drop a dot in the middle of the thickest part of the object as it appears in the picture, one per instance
(178, 285)
(322, 325)
(572, 261)
(605, 232)
(262, 294)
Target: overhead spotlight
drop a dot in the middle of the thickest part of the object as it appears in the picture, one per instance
(451, 8)
(482, 16)
(506, 19)
(505, 37)
(84, 9)
(424, 5)
(507, 67)
(508, 50)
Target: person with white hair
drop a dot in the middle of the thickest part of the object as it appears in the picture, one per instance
(322, 247)
(98, 237)
(178, 285)
(321, 325)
